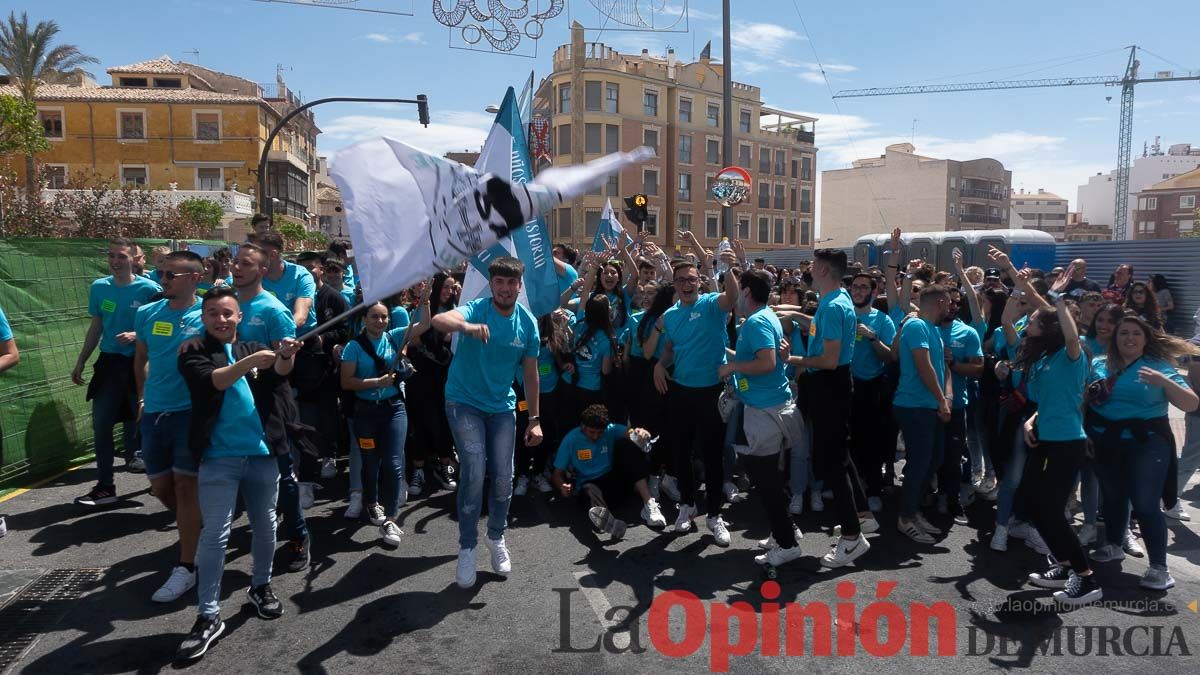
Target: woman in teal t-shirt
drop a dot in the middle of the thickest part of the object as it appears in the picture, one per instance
(530, 463)
(595, 348)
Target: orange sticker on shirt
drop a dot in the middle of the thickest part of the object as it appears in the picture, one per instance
(522, 406)
(366, 443)
(584, 455)
(812, 329)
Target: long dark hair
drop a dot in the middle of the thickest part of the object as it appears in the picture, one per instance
(1148, 309)
(1114, 311)
(1033, 348)
(435, 295)
(663, 299)
(1159, 345)
(997, 299)
(597, 320)
(617, 310)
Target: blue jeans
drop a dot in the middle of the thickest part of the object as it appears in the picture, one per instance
(221, 479)
(923, 441)
(800, 472)
(289, 499)
(356, 482)
(110, 399)
(1012, 478)
(381, 429)
(981, 459)
(486, 443)
(1136, 477)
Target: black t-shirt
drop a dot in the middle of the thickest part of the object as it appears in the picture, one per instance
(1081, 287)
(330, 303)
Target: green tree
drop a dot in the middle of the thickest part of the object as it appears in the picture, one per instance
(202, 213)
(30, 57)
(20, 130)
(292, 231)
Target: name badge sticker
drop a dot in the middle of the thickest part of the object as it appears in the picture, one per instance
(584, 454)
(163, 329)
(108, 306)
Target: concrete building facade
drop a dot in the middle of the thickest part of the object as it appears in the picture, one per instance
(1039, 210)
(598, 100)
(1168, 209)
(1095, 199)
(903, 189)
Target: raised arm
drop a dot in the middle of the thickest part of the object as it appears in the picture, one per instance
(891, 269)
(967, 287)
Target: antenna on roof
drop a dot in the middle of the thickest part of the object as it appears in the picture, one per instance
(194, 51)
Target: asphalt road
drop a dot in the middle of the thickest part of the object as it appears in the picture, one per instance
(365, 608)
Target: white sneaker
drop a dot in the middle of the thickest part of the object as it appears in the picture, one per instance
(1157, 579)
(910, 529)
(779, 556)
(521, 487)
(845, 552)
(719, 531)
(652, 514)
(391, 533)
(1000, 539)
(769, 543)
(817, 503)
(465, 576)
(796, 505)
(181, 581)
(926, 525)
(865, 525)
(376, 515)
(1035, 542)
(1130, 545)
(306, 496)
(683, 523)
(731, 493)
(652, 484)
(354, 510)
(1107, 553)
(328, 468)
(501, 561)
(874, 504)
(669, 488)
(543, 486)
(1177, 512)
(1020, 529)
(1087, 534)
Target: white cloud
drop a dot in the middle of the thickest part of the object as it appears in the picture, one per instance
(812, 77)
(811, 72)
(388, 38)
(749, 68)
(693, 13)
(415, 38)
(450, 130)
(762, 38)
(378, 37)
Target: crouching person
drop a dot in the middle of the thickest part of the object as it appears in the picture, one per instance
(233, 386)
(608, 464)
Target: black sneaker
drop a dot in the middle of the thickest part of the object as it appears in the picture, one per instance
(204, 632)
(1056, 576)
(1079, 591)
(99, 496)
(298, 555)
(446, 476)
(268, 606)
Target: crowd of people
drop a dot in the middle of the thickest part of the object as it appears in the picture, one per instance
(662, 383)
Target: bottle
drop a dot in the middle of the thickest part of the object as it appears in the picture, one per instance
(721, 248)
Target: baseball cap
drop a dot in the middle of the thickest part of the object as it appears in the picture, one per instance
(992, 273)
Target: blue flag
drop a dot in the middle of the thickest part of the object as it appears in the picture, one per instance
(609, 228)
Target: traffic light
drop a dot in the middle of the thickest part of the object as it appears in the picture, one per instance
(635, 209)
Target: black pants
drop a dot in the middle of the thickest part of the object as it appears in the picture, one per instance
(648, 408)
(1050, 474)
(869, 447)
(692, 419)
(427, 426)
(615, 487)
(949, 471)
(616, 395)
(767, 478)
(531, 461)
(830, 400)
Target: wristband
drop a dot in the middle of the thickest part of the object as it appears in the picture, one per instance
(535, 418)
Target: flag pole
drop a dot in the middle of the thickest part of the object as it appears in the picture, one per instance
(330, 323)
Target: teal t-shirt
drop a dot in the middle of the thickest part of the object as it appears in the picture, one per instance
(1004, 350)
(364, 365)
(964, 344)
(796, 338)
(866, 364)
(761, 330)
(911, 392)
(6, 333)
(1056, 384)
(265, 319)
(1094, 346)
(589, 358)
(567, 278)
(834, 321)
(117, 307)
(162, 329)
(296, 282)
(399, 318)
(481, 376)
(206, 286)
(238, 431)
(547, 371)
(698, 337)
(1131, 398)
(589, 459)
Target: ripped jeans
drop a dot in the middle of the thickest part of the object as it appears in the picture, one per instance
(485, 442)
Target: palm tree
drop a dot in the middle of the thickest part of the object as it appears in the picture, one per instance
(31, 59)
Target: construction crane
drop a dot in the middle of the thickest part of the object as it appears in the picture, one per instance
(1124, 134)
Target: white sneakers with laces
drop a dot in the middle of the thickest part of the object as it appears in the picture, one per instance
(652, 514)
(306, 496)
(354, 510)
(683, 523)
(181, 581)
(465, 574)
(719, 530)
(390, 533)
(501, 560)
(521, 487)
(844, 552)
(796, 506)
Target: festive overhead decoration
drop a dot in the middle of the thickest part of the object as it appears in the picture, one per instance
(398, 7)
(659, 16)
(539, 137)
(498, 25)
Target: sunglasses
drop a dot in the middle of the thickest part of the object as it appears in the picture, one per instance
(171, 276)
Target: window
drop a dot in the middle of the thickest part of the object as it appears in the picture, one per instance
(792, 199)
(795, 172)
(650, 138)
(764, 195)
(743, 228)
(564, 139)
(764, 160)
(564, 223)
(713, 151)
(209, 179)
(1020, 202)
(56, 176)
(52, 123)
(953, 182)
(612, 138)
(591, 222)
(780, 162)
(779, 188)
(806, 201)
(792, 232)
(134, 82)
(744, 121)
(764, 230)
(1148, 203)
(685, 187)
(591, 96)
(744, 157)
(1146, 227)
(1186, 224)
(652, 223)
(806, 168)
(168, 82)
(779, 230)
(650, 103)
(612, 187)
(591, 137)
(207, 124)
(1054, 203)
(953, 210)
(133, 175)
(714, 115)
(650, 181)
(612, 96)
(712, 226)
(804, 236)
(685, 148)
(685, 111)
(685, 222)
(564, 98)
(131, 125)
(1187, 202)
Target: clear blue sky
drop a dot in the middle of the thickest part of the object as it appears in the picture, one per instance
(1050, 138)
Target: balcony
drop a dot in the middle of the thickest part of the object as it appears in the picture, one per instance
(980, 219)
(234, 204)
(975, 193)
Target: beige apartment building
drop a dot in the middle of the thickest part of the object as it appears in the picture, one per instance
(598, 101)
(1039, 210)
(920, 194)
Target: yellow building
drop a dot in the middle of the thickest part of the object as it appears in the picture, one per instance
(180, 128)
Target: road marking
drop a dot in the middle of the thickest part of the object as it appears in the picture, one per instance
(601, 607)
(20, 491)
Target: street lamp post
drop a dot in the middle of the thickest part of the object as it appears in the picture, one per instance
(727, 107)
(266, 203)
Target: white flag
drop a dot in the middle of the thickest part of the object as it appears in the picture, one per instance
(413, 214)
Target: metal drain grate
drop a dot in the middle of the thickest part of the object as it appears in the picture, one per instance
(37, 608)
